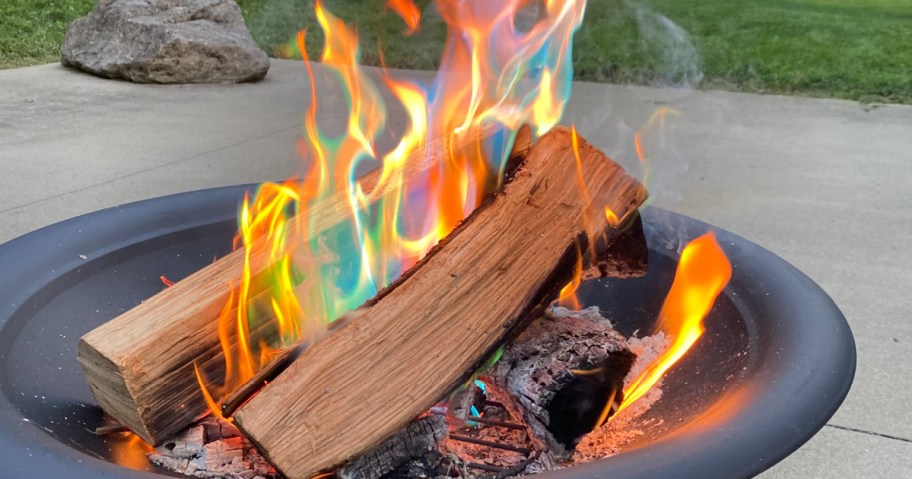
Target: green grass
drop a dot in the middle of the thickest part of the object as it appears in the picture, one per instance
(31, 30)
(859, 50)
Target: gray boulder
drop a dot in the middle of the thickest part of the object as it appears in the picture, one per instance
(165, 41)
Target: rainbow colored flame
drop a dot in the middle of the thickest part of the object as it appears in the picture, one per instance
(493, 79)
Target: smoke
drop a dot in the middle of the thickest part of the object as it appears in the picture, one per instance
(680, 64)
(641, 128)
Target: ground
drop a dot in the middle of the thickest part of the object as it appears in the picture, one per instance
(822, 183)
(829, 48)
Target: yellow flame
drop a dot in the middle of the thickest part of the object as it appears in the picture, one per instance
(702, 273)
(567, 297)
(612, 217)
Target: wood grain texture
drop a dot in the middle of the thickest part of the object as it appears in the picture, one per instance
(139, 366)
(426, 333)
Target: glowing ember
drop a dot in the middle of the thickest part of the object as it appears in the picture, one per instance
(493, 78)
(703, 271)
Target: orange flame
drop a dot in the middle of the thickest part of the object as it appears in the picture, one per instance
(493, 78)
(703, 271)
(130, 451)
(408, 11)
(567, 297)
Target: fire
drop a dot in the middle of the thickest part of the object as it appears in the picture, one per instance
(493, 79)
(702, 273)
(656, 122)
(567, 297)
(408, 11)
(130, 451)
(612, 217)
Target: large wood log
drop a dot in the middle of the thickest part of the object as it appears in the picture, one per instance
(139, 366)
(424, 334)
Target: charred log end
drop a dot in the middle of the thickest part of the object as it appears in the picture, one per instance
(628, 256)
(577, 408)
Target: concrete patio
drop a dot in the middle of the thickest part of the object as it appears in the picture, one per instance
(825, 184)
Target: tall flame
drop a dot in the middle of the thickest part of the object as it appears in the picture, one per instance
(493, 77)
(703, 271)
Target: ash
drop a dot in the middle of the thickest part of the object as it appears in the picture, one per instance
(213, 449)
(624, 427)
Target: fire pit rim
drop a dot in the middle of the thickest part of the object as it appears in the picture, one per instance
(817, 354)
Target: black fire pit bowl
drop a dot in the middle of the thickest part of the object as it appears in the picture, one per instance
(775, 363)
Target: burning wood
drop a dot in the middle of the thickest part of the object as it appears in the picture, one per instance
(212, 449)
(482, 284)
(140, 365)
(489, 440)
(448, 290)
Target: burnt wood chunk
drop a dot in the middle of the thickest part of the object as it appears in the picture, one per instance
(628, 257)
(140, 365)
(561, 373)
(418, 438)
(422, 336)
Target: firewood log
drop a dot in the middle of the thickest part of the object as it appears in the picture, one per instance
(423, 335)
(139, 366)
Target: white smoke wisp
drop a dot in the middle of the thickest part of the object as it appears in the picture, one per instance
(681, 65)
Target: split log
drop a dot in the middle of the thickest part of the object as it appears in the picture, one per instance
(139, 366)
(561, 374)
(423, 335)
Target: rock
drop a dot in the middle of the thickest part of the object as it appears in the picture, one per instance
(165, 41)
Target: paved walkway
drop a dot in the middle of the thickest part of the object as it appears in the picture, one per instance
(825, 184)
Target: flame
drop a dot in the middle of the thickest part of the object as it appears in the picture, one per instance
(656, 121)
(493, 78)
(612, 217)
(408, 11)
(128, 450)
(702, 272)
(567, 297)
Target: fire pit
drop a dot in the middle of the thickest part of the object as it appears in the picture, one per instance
(775, 363)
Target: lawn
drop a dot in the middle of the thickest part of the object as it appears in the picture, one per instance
(31, 30)
(858, 50)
